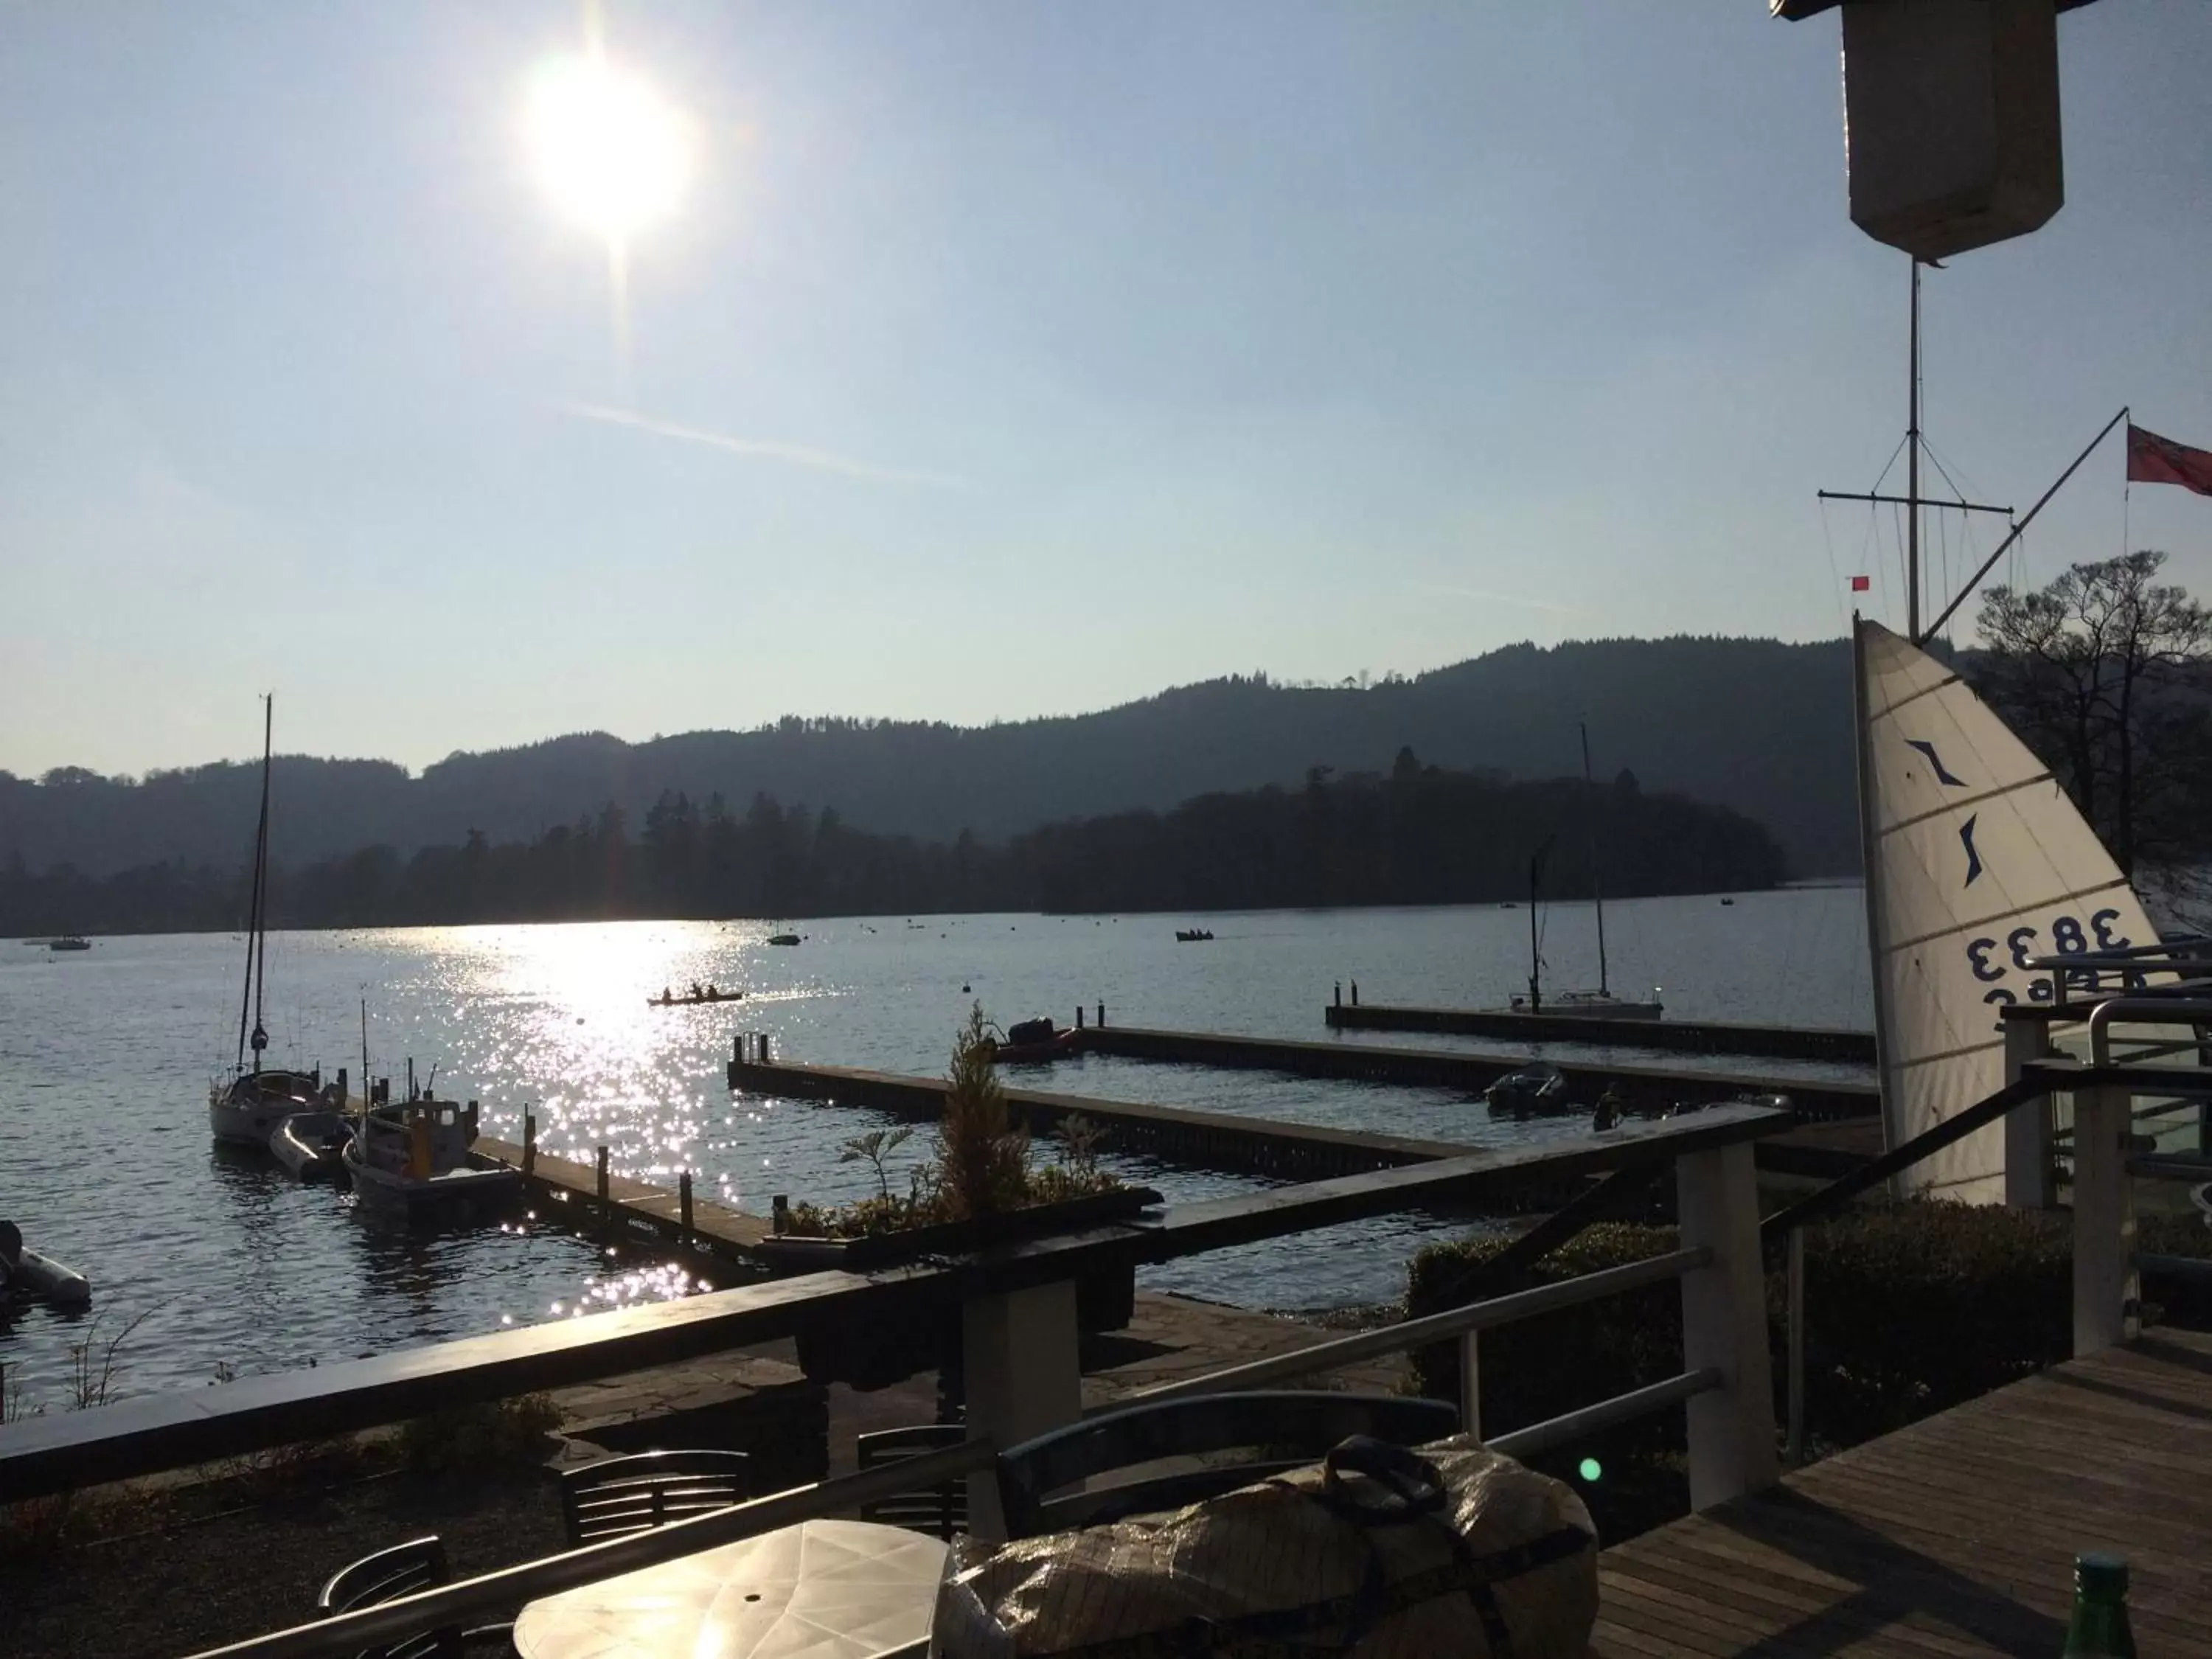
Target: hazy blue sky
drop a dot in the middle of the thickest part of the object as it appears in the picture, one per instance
(1082, 350)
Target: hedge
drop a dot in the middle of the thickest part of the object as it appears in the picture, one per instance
(1911, 1309)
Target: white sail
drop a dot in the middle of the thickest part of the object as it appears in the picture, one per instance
(1977, 864)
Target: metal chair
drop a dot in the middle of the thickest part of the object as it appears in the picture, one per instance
(1291, 1427)
(941, 1510)
(404, 1569)
(617, 1496)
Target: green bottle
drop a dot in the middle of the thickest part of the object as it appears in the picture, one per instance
(2099, 1629)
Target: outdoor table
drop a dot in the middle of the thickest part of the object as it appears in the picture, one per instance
(822, 1589)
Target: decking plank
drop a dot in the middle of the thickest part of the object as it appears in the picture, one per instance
(1954, 1537)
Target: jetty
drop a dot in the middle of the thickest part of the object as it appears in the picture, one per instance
(1645, 1086)
(593, 1199)
(1690, 1037)
(1242, 1143)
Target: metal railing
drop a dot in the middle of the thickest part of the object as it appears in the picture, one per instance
(2032, 1087)
(495, 1594)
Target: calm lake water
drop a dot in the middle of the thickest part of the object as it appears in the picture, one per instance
(104, 1058)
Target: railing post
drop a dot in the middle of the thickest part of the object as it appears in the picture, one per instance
(683, 1207)
(2105, 1308)
(2027, 1126)
(529, 1141)
(1470, 1383)
(1023, 1376)
(1724, 1327)
(1795, 1447)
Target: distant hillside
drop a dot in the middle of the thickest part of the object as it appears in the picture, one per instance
(1422, 835)
(1754, 725)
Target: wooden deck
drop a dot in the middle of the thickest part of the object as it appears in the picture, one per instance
(1956, 1536)
(634, 1205)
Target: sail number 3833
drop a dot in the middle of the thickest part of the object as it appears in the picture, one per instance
(1993, 960)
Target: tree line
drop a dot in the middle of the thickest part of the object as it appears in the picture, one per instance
(1420, 835)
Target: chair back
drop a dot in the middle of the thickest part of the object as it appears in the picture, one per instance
(941, 1510)
(403, 1570)
(617, 1496)
(1288, 1428)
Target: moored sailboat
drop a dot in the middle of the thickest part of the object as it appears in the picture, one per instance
(246, 1107)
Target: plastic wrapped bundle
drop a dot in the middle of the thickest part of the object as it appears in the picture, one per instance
(1379, 1553)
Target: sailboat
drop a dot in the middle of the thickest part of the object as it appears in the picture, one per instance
(246, 1105)
(1600, 1004)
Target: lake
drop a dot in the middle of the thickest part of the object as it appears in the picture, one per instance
(106, 1055)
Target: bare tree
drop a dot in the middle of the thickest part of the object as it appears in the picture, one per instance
(2093, 671)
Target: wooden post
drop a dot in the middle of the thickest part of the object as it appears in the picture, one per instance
(683, 1206)
(529, 1141)
(1019, 1357)
(1795, 1451)
(2107, 1311)
(1724, 1327)
(607, 1211)
(763, 1042)
(1078, 1016)
(1470, 1383)
(2027, 1126)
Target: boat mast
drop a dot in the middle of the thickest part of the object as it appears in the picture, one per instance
(246, 998)
(1597, 891)
(1912, 473)
(259, 1040)
(1535, 956)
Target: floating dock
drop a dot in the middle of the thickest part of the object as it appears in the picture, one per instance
(1645, 1086)
(1244, 1144)
(1691, 1037)
(624, 1207)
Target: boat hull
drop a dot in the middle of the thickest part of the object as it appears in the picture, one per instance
(450, 1196)
(310, 1145)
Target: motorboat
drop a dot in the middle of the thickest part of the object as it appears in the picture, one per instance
(783, 939)
(312, 1145)
(412, 1161)
(24, 1272)
(70, 942)
(1536, 1089)
(1034, 1041)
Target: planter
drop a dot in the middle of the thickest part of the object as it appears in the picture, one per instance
(922, 1332)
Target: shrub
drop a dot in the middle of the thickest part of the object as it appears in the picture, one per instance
(465, 1439)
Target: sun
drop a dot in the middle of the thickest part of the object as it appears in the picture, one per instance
(611, 152)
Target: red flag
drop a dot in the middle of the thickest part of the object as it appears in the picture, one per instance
(1860, 584)
(2153, 459)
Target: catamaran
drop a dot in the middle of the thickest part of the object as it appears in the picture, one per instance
(246, 1105)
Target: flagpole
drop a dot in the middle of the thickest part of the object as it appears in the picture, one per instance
(2021, 529)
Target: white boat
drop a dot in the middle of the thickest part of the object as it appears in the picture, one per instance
(412, 1160)
(1977, 866)
(246, 1106)
(1600, 1004)
(311, 1145)
(24, 1271)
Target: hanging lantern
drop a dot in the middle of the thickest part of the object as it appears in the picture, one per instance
(1950, 119)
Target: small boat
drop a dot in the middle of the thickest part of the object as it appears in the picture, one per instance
(783, 939)
(710, 994)
(312, 1145)
(1590, 1005)
(1536, 1089)
(412, 1161)
(25, 1272)
(1034, 1041)
(1728, 901)
(70, 942)
(1192, 935)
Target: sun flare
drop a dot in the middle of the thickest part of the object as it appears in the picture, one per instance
(611, 152)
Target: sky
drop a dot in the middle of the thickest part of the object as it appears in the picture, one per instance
(1002, 358)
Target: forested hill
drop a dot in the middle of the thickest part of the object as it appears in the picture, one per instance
(1755, 725)
(1420, 836)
